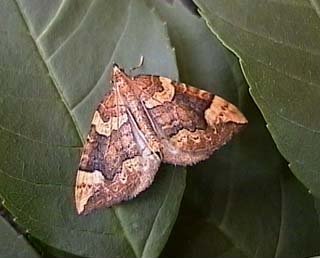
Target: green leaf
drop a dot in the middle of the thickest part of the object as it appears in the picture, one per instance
(277, 42)
(242, 202)
(13, 244)
(55, 59)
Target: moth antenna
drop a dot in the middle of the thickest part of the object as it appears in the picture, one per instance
(139, 65)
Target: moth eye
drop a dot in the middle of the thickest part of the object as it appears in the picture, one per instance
(89, 139)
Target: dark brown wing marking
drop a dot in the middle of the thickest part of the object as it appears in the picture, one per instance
(116, 164)
(143, 121)
(191, 123)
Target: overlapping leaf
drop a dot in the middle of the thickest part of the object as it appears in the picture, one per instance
(13, 244)
(277, 42)
(243, 202)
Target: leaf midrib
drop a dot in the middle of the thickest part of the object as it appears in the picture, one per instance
(50, 75)
(54, 82)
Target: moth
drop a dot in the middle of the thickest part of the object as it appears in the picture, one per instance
(143, 121)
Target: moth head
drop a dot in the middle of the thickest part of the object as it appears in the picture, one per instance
(118, 74)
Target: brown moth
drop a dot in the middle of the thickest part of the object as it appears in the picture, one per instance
(143, 121)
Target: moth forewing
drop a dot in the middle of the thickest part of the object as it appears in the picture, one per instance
(144, 121)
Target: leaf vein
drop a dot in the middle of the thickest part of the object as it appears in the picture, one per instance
(72, 33)
(316, 7)
(269, 38)
(52, 20)
(158, 213)
(46, 224)
(51, 75)
(110, 61)
(28, 138)
(291, 3)
(30, 182)
(125, 233)
(316, 131)
(289, 75)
